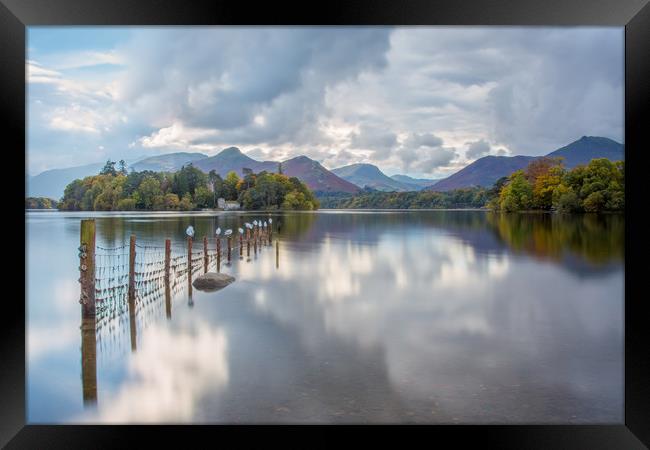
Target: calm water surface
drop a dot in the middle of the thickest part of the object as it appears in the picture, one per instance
(365, 317)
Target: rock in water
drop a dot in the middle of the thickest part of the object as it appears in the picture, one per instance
(211, 281)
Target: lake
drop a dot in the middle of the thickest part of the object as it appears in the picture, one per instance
(436, 317)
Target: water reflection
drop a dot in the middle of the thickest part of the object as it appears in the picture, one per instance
(89, 361)
(168, 376)
(423, 317)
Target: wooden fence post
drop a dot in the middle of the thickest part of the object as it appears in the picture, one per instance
(229, 248)
(241, 245)
(205, 254)
(131, 299)
(168, 302)
(89, 361)
(87, 267)
(189, 258)
(132, 272)
(168, 257)
(277, 254)
(218, 254)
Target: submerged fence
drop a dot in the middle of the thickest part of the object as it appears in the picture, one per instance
(121, 279)
(136, 277)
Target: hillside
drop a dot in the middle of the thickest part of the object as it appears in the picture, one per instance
(317, 177)
(483, 172)
(587, 148)
(368, 175)
(52, 183)
(487, 170)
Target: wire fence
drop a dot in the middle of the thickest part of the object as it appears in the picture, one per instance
(145, 273)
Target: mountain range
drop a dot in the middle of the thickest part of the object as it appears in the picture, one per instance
(487, 170)
(349, 179)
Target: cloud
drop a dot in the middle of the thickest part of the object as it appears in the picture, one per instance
(477, 149)
(423, 140)
(378, 141)
(178, 136)
(403, 98)
(229, 78)
(425, 160)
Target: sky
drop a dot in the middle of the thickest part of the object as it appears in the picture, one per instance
(422, 101)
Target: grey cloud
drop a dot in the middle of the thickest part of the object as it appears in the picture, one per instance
(224, 78)
(477, 149)
(434, 159)
(527, 90)
(423, 158)
(416, 140)
(375, 138)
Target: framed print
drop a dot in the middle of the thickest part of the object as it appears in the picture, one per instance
(365, 214)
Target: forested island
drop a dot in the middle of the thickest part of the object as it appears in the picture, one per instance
(187, 189)
(546, 185)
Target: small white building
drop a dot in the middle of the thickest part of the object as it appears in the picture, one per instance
(227, 205)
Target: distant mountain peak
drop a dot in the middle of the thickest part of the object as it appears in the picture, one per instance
(485, 171)
(369, 175)
(234, 151)
(301, 158)
(317, 177)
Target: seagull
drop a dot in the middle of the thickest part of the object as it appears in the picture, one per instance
(228, 232)
(241, 231)
(255, 222)
(190, 231)
(264, 224)
(270, 220)
(218, 232)
(248, 225)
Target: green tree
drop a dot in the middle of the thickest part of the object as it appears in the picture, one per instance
(125, 204)
(295, 200)
(171, 202)
(565, 200)
(230, 186)
(517, 194)
(109, 168)
(186, 203)
(149, 189)
(203, 198)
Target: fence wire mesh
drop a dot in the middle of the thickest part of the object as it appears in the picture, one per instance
(112, 266)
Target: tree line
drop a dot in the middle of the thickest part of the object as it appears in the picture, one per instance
(546, 185)
(40, 203)
(116, 189)
(474, 197)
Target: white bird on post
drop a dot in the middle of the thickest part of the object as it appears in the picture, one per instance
(190, 231)
(218, 232)
(228, 232)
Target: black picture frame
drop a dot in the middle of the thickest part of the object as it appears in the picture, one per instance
(16, 15)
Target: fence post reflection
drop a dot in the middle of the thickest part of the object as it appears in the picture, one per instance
(89, 361)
